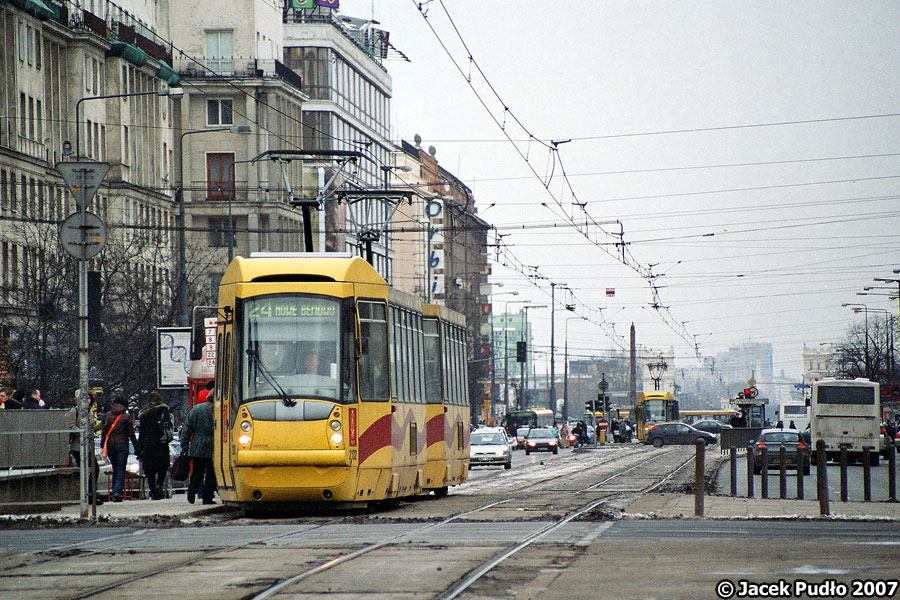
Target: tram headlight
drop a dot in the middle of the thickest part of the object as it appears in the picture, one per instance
(245, 426)
(244, 439)
(336, 438)
(335, 425)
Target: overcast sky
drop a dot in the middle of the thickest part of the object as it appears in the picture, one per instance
(750, 152)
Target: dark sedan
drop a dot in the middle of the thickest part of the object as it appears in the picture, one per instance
(541, 440)
(775, 439)
(710, 425)
(677, 433)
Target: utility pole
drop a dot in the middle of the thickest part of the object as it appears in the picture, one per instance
(552, 385)
(632, 378)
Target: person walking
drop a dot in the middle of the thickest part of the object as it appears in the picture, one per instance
(197, 436)
(153, 443)
(118, 430)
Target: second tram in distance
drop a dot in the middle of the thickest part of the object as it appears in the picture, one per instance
(333, 386)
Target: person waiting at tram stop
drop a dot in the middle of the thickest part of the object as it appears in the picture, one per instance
(154, 443)
(197, 437)
(118, 430)
(33, 400)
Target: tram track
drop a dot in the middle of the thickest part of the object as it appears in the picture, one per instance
(534, 492)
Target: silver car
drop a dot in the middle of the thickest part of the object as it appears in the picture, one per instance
(490, 446)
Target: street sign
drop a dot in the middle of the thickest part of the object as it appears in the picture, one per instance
(603, 385)
(83, 178)
(83, 235)
(602, 422)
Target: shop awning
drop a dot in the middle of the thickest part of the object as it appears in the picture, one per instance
(168, 74)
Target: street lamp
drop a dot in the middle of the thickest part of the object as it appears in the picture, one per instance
(889, 327)
(85, 474)
(656, 370)
(493, 364)
(180, 270)
(171, 92)
(565, 410)
(524, 369)
(506, 348)
(866, 313)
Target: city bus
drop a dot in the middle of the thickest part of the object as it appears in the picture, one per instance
(654, 408)
(795, 411)
(846, 413)
(529, 417)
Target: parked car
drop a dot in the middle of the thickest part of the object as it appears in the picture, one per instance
(541, 440)
(775, 439)
(675, 434)
(710, 425)
(490, 446)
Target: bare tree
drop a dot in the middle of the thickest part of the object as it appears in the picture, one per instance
(868, 351)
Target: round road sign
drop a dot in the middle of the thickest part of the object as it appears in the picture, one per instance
(83, 235)
(603, 385)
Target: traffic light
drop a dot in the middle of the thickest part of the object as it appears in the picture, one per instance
(521, 351)
(590, 406)
(606, 406)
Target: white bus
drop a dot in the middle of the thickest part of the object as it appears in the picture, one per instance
(795, 411)
(846, 412)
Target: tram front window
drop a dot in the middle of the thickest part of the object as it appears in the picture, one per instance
(291, 348)
(656, 410)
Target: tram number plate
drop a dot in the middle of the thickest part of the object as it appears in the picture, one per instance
(353, 456)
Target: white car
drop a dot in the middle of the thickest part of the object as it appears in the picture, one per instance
(490, 446)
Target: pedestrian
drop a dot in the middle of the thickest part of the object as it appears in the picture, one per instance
(16, 399)
(197, 436)
(6, 398)
(564, 436)
(890, 432)
(75, 441)
(118, 430)
(33, 400)
(155, 434)
(792, 425)
(779, 425)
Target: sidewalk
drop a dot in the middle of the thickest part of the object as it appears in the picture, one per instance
(668, 506)
(177, 507)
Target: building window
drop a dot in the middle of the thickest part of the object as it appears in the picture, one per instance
(219, 232)
(220, 51)
(219, 112)
(220, 176)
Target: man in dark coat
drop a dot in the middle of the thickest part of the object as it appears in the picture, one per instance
(197, 437)
(153, 443)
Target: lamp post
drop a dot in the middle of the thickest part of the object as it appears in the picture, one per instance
(171, 92)
(866, 313)
(493, 364)
(180, 270)
(889, 327)
(87, 432)
(565, 410)
(656, 370)
(524, 370)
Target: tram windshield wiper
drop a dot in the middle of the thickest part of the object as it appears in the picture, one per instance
(270, 379)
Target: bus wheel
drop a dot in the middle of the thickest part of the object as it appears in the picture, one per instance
(657, 442)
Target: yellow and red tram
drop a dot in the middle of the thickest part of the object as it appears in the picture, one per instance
(323, 388)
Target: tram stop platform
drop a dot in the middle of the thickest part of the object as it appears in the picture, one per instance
(674, 506)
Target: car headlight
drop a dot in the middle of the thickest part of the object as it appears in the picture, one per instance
(499, 452)
(133, 468)
(552, 442)
(532, 443)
